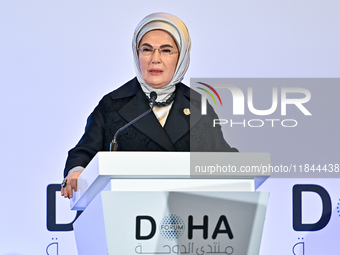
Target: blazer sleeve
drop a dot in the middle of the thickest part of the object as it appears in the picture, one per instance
(90, 143)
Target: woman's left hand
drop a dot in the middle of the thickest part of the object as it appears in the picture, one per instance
(71, 184)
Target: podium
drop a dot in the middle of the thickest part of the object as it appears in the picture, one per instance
(170, 203)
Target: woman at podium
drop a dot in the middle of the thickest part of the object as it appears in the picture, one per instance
(161, 49)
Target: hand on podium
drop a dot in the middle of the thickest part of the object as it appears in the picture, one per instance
(71, 184)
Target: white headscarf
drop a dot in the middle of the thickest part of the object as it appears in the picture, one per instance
(178, 30)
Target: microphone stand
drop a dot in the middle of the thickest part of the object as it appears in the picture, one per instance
(114, 143)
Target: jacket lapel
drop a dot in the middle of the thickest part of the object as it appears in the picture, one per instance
(183, 114)
(149, 124)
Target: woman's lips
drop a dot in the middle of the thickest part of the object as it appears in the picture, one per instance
(155, 71)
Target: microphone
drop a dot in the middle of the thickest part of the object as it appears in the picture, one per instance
(153, 96)
(114, 144)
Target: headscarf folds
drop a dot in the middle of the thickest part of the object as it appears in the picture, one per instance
(175, 27)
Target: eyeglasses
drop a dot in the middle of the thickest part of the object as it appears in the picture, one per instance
(148, 51)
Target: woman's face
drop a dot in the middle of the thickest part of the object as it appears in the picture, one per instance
(157, 70)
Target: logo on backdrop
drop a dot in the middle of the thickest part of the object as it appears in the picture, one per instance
(299, 248)
(321, 223)
(51, 210)
(53, 248)
(172, 227)
(238, 105)
(297, 207)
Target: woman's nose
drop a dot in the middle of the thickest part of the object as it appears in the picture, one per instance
(156, 56)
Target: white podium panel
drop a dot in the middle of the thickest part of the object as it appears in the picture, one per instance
(180, 185)
(195, 203)
(142, 166)
(172, 223)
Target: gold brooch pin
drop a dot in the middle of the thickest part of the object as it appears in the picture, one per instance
(186, 111)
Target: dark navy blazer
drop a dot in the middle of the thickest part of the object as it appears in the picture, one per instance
(181, 132)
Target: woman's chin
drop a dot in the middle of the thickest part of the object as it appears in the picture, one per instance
(156, 84)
